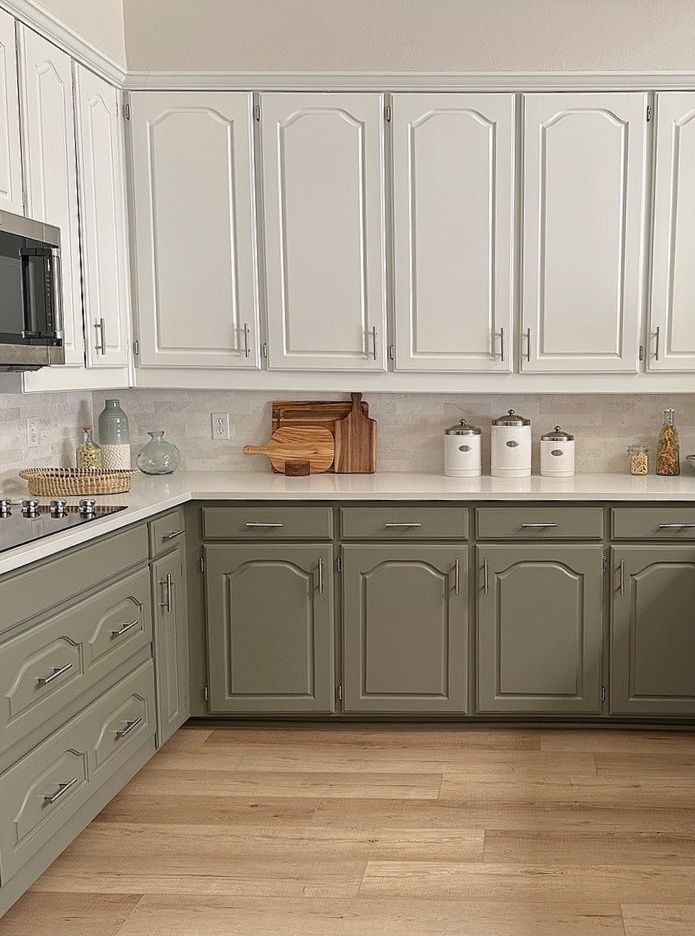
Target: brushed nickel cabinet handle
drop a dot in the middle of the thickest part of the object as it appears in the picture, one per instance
(245, 331)
(263, 526)
(168, 586)
(677, 526)
(129, 726)
(657, 342)
(538, 526)
(57, 672)
(621, 581)
(486, 577)
(457, 576)
(128, 626)
(61, 791)
(373, 334)
(171, 536)
(320, 576)
(500, 333)
(527, 337)
(100, 326)
(405, 525)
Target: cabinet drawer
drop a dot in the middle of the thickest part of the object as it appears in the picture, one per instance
(658, 523)
(268, 523)
(29, 593)
(52, 663)
(165, 531)
(539, 523)
(43, 790)
(404, 523)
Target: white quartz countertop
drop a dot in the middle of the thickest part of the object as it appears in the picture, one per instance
(153, 495)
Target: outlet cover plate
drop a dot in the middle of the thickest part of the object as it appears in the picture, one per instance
(219, 426)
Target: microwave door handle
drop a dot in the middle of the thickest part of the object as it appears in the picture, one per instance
(57, 288)
(30, 330)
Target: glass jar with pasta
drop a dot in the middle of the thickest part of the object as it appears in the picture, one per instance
(668, 453)
(638, 459)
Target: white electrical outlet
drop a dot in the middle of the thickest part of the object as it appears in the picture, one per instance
(220, 425)
(33, 435)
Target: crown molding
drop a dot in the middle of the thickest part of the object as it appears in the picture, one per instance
(57, 32)
(408, 81)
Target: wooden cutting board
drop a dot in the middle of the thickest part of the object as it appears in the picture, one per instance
(355, 441)
(311, 413)
(315, 445)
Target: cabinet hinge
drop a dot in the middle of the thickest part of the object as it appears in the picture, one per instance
(641, 352)
(387, 113)
(604, 694)
(206, 694)
(605, 564)
(257, 111)
(392, 353)
(649, 112)
(126, 110)
(339, 692)
(264, 350)
(339, 564)
(136, 347)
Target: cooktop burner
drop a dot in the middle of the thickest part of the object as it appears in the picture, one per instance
(24, 521)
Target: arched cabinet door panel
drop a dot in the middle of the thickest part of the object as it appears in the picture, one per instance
(194, 214)
(324, 225)
(540, 623)
(453, 208)
(584, 194)
(11, 198)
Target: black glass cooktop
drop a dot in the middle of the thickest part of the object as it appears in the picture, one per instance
(23, 522)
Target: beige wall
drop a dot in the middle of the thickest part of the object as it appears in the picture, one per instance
(98, 22)
(395, 35)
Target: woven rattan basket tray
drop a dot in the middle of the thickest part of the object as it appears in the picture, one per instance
(72, 482)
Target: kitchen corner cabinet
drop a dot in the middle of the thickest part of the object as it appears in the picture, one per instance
(453, 208)
(171, 641)
(540, 623)
(11, 195)
(671, 345)
(270, 620)
(405, 628)
(324, 230)
(584, 192)
(653, 630)
(102, 221)
(194, 228)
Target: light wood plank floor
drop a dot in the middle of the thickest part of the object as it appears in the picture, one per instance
(386, 831)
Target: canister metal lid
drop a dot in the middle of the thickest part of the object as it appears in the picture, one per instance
(463, 428)
(512, 418)
(557, 435)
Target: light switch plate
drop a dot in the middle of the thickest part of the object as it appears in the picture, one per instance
(219, 426)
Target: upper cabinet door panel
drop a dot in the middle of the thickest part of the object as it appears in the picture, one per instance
(453, 183)
(10, 146)
(193, 198)
(324, 230)
(672, 339)
(50, 169)
(103, 221)
(584, 199)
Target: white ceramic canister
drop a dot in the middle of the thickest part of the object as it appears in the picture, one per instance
(557, 454)
(510, 446)
(462, 451)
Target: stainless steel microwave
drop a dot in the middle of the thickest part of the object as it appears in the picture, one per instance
(31, 320)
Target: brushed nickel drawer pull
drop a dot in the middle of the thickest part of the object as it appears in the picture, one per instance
(486, 577)
(255, 525)
(677, 526)
(405, 525)
(125, 628)
(457, 576)
(129, 726)
(245, 330)
(168, 585)
(539, 526)
(63, 788)
(320, 576)
(621, 569)
(171, 536)
(57, 672)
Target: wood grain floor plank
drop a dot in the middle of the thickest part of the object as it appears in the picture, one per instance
(187, 738)
(221, 916)
(671, 920)
(208, 810)
(68, 914)
(665, 766)
(622, 848)
(618, 741)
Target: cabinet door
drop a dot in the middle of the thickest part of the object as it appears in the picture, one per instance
(171, 642)
(270, 628)
(453, 183)
(50, 166)
(11, 198)
(405, 628)
(584, 199)
(672, 332)
(653, 630)
(102, 220)
(193, 201)
(540, 611)
(323, 171)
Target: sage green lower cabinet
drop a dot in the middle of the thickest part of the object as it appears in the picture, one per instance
(540, 611)
(653, 630)
(405, 633)
(270, 621)
(171, 642)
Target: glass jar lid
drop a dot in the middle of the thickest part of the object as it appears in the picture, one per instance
(638, 448)
(557, 435)
(512, 418)
(462, 428)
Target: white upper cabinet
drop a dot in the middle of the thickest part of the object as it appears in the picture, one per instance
(453, 210)
(323, 196)
(193, 207)
(11, 198)
(583, 231)
(50, 167)
(103, 221)
(671, 345)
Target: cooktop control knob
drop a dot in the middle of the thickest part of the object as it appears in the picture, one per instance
(5, 508)
(59, 508)
(88, 507)
(30, 508)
